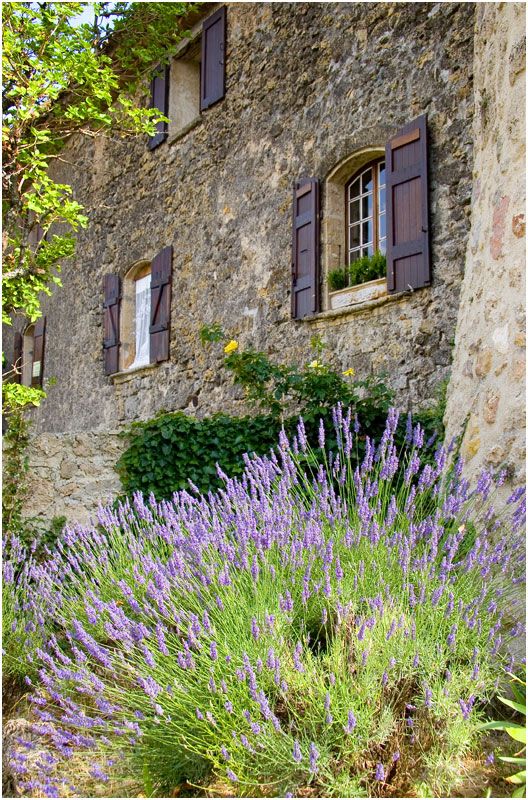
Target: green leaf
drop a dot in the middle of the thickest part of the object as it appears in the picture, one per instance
(519, 734)
(521, 707)
(519, 777)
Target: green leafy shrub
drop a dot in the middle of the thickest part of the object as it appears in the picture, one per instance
(337, 279)
(167, 452)
(172, 449)
(367, 268)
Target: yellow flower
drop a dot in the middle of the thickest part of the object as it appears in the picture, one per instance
(350, 371)
(231, 346)
(315, 365)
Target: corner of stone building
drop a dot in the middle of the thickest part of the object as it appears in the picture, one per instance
(486, 393)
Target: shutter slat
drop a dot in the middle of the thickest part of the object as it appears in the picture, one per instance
(112, 298)
(160, 305)
(39, 336)
(18, 349)
(305, 248)
(408, 259)
(212, 71)
(159, 98)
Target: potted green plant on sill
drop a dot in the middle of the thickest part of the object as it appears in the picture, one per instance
(347, 284)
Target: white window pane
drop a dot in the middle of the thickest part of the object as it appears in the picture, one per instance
(142, 322)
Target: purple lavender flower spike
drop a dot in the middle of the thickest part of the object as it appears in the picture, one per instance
(314, 755)
(351, 723)
(297, 754)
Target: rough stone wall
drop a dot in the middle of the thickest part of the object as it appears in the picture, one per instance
(487, 389)
(71, 474)
(308, 84)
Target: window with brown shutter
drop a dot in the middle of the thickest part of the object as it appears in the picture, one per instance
(305, 248)
(160, 305)
(112, 295)
(39, 335)
(212, 83)
(408, 262)
(159, 98)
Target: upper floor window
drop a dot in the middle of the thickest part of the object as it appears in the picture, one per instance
(184, 92)
(195, 80)
(366, 214)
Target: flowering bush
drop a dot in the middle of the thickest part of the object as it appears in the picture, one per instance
(335, 630)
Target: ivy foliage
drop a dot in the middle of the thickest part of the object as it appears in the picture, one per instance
(167, 452)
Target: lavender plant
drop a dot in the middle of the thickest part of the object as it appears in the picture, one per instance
(338, 628)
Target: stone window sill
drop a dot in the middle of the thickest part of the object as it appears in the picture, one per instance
(129, 374)
(181, 133)
(356, 308)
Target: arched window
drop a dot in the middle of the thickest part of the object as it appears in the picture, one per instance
(353, 225)
(366, 212)
(135, 317)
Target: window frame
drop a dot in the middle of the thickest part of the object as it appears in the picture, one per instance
(374, 166)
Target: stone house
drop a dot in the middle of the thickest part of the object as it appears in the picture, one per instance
(301, 137)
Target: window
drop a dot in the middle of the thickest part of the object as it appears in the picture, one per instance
(28, 342)
(373, 200)
(184, 93)
(366, 212)
(136, 315)
(135, 318)
(28, 354)
(195, 81)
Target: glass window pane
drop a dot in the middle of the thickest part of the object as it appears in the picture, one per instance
(142, 321)
(383, 245)
(366, 206)
(354, 211)
(382, 199)
(368, 251)
(354, 236)
(382, 173)
(354, 255)
(382, 226)
(354, 189)
(366, 181)
(366, 233)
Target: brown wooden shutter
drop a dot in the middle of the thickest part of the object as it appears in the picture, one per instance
(112, 298)
(408, 262)
(305, 248)
(18, 349)
(160, 305)
(39, 336)
(159, 98)
(212, 71)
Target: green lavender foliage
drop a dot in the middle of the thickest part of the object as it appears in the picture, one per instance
(403, 678)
